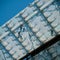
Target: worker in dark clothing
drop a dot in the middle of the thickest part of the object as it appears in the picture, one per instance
(52, 32)
(19, 33)
(21, 29)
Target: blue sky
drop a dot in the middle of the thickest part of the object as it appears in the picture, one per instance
(9, 8)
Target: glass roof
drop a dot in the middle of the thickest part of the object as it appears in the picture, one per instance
(29, 29)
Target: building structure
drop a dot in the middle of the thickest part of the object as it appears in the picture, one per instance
(32, 27)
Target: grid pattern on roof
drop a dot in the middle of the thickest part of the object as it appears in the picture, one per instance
(40, 23)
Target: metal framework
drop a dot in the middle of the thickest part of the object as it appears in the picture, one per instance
(28, 33)
(42, 47)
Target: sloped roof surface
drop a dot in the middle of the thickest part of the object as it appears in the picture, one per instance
(29, 29)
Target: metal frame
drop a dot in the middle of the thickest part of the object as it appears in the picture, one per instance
(42, 47)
